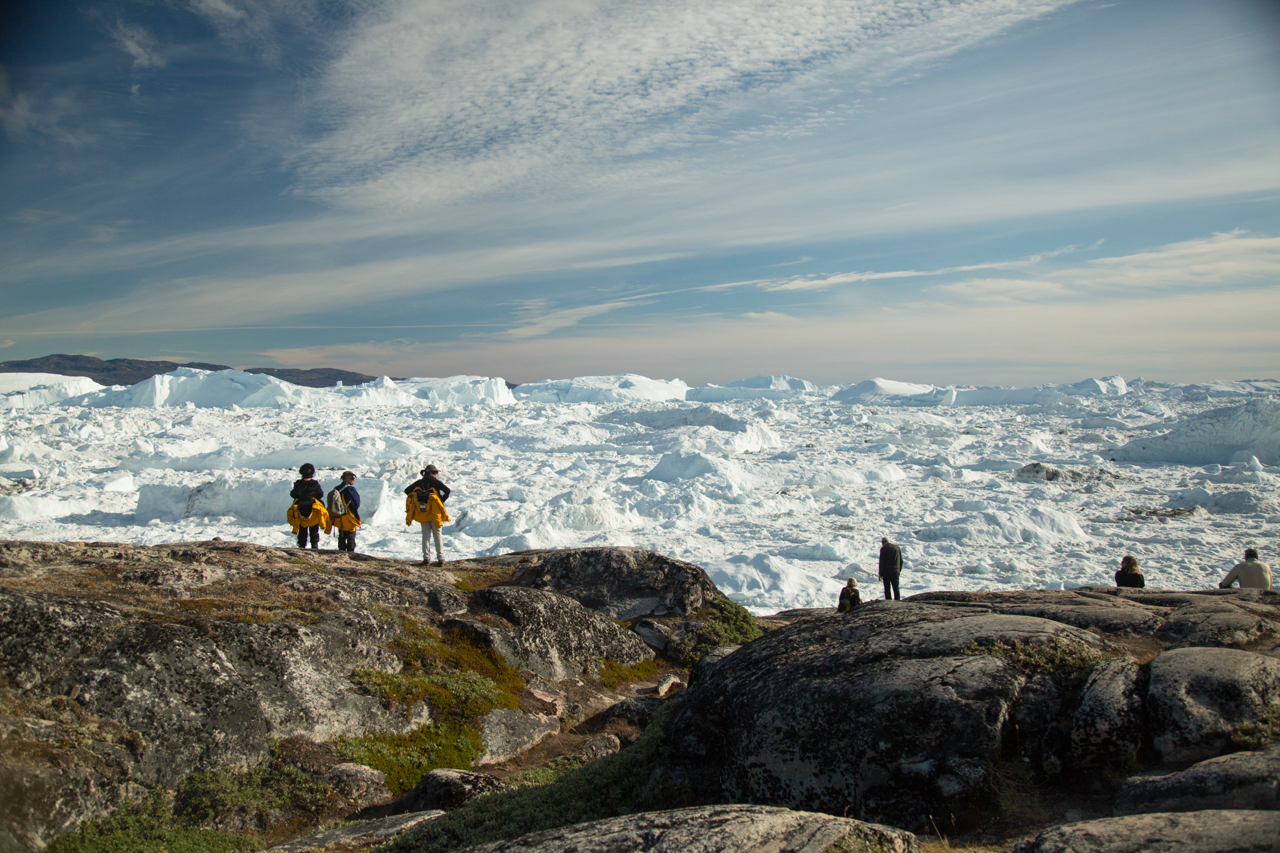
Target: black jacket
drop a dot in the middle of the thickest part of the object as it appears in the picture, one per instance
(304, 489)
(1131, 579)
(890, 560)
(425, 485)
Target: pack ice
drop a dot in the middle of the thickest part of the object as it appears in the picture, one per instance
(778, 487)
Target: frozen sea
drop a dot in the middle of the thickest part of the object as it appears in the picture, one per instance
(779, 488)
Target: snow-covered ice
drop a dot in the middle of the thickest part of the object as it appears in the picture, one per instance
(779, 488)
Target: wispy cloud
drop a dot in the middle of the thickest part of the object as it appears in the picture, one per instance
(429, 103)
(139, 44)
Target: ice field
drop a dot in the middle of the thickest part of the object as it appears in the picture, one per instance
(778, 488)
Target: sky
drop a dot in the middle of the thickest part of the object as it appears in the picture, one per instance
(1001, 192)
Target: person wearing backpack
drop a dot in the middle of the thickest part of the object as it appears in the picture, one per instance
(308, 513)
(344, 509)
(425, 504)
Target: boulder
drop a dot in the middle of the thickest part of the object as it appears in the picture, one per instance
(1241, 780)
(550, 634)
(605, 743)
(360, 786)
(1188, 832)
(508, 733)
(445, 789)
(623, 583)
(1108, 726)
(1198, 696)
(713, 829)
(880, 715)
(356, 835)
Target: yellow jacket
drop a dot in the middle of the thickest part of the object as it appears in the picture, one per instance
(432, 512)
(319, 517)
(346, 522)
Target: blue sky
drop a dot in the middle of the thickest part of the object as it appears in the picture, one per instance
(989, 192)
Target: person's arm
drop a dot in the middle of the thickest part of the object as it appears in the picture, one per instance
(441, 489)
(412, 487)
(1230, 578)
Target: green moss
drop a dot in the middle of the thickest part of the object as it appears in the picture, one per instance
(624, 783)
(148, 827)
(464, 586)
(206, 797)
(459, 697)
(1068, 664)
(614, 674)
(727, 623)
(1261, 734)
(406, 758)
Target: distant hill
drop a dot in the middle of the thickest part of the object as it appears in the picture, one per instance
(130, 371)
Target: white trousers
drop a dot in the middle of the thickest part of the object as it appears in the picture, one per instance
(430, 531)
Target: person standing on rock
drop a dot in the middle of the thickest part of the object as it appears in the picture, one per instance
(1252, 573)
(1130, 575)
(426, 505)
(890, 568)
(308, 500)
(849, 596)
(347, 522)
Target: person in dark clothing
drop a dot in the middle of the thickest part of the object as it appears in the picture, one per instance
(421, 489)
(304, 491)
(849, 596)
(1130, 575)
(890, 568)
(346, 529)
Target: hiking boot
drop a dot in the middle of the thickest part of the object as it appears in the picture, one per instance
(439, 564)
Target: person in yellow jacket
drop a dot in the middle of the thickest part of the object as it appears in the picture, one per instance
(425, 504)
(348, 522)
(308, 515)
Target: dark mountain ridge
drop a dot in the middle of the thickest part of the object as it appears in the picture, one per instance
(130, 371)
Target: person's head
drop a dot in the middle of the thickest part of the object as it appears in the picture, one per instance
(307, 470)
(884, 540)
(1129, 563)
(853, 582)
(1251, 553)
(348, 477)
(430, 471)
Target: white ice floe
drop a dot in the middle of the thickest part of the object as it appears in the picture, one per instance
(1232, 435)
(35, 390)
(778, 496)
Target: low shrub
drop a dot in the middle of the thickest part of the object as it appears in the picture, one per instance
(209, 797)
(149, 827)
(726, 623)
(615, 674)
(1068, 664)
(626, 782)
(406, 758)
(1261, 734)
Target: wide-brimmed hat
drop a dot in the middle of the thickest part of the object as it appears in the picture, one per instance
(431, 469)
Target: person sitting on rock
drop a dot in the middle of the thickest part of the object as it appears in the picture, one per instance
(1130, 575)
(1252, 573)
(849, 596)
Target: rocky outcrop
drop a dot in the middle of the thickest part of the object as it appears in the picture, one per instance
(445, 789)
(126, 668)
(1241, 780)
(623, 583)
(713, 829)
(1193, 832)
(357, 835)
(551, 634)
(902, 710)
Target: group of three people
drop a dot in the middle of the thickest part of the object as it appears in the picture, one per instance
(425, 503)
